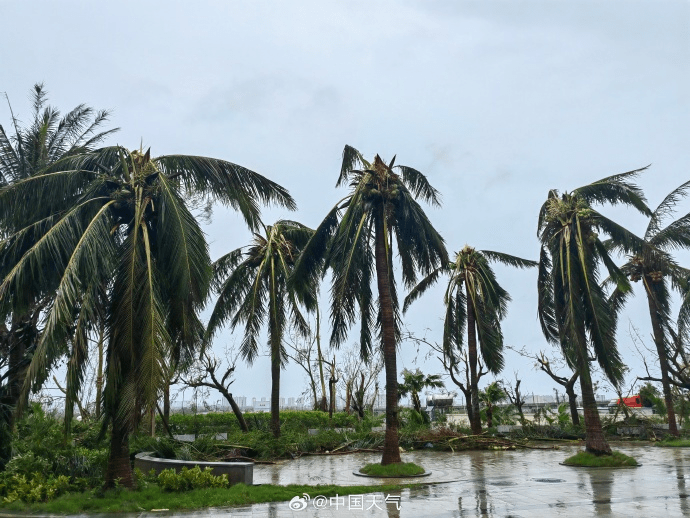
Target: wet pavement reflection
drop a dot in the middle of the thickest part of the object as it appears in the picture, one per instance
(523, 483)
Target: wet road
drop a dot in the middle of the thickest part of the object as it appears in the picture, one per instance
(522, 483)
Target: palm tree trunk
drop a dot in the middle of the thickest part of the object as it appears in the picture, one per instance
(119, 467)
(323, 404)
(470, 408)
(391, 445)
(15, 368)
(99, 372)
(331, 390)
(595, 440)
(474, 416)
(166, 404)
(489, 416)
(416, 402)
(663, 362)
(275, 390)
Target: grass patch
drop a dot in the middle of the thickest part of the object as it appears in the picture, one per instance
(674, 443)
(403, 469)
(152, 497)
(586, 459)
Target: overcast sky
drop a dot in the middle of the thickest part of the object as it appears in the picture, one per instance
(496, 102)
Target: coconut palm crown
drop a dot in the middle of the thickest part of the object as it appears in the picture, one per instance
(252, 282)
(115, 221)
(27, 151)
(475, 302)
(573, 308)
(356, 241)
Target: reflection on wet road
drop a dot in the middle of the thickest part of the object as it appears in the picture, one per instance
(523, 483)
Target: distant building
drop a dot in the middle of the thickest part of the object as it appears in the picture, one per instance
(533, 399)
(262, 406)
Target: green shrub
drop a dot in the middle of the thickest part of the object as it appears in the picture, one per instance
(32, 488)
(39, 445)
(28, 463)
(186, 479)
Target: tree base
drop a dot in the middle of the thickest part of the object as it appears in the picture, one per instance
(397, 470)
(616, 459)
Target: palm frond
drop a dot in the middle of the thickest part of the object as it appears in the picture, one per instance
(224, 265)
(665, 209)
(420, 187)
(509, 260)
(351, 160)
(675, 236)
(182, 252)
(546, 304)
(426, 283)
(231, 184)
(420, 246)
(616, 189)
(621, 238)
(309, 266)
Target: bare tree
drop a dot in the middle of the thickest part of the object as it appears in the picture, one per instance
(679, 358)
(332, 382)
(307, 353)
(678, 365)
(359, 380)
(514, 396)
(568, 383)
(204, 374)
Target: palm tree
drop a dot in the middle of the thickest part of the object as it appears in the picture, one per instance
(474, 300)
(25, 153)
(414, 382)
(118, 218)
(573, 308)
(658, 271)
(356, 241)
(490, 396)
(253, 286)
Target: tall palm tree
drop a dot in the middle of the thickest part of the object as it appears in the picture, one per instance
(474, 301)
(253, 286)
(26, 152)
(573, 308)
(658, 271)
(117, 218)
(414, 382)
(356, 241)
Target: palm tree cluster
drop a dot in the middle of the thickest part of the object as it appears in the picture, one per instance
(105, 235)
(104, 239)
